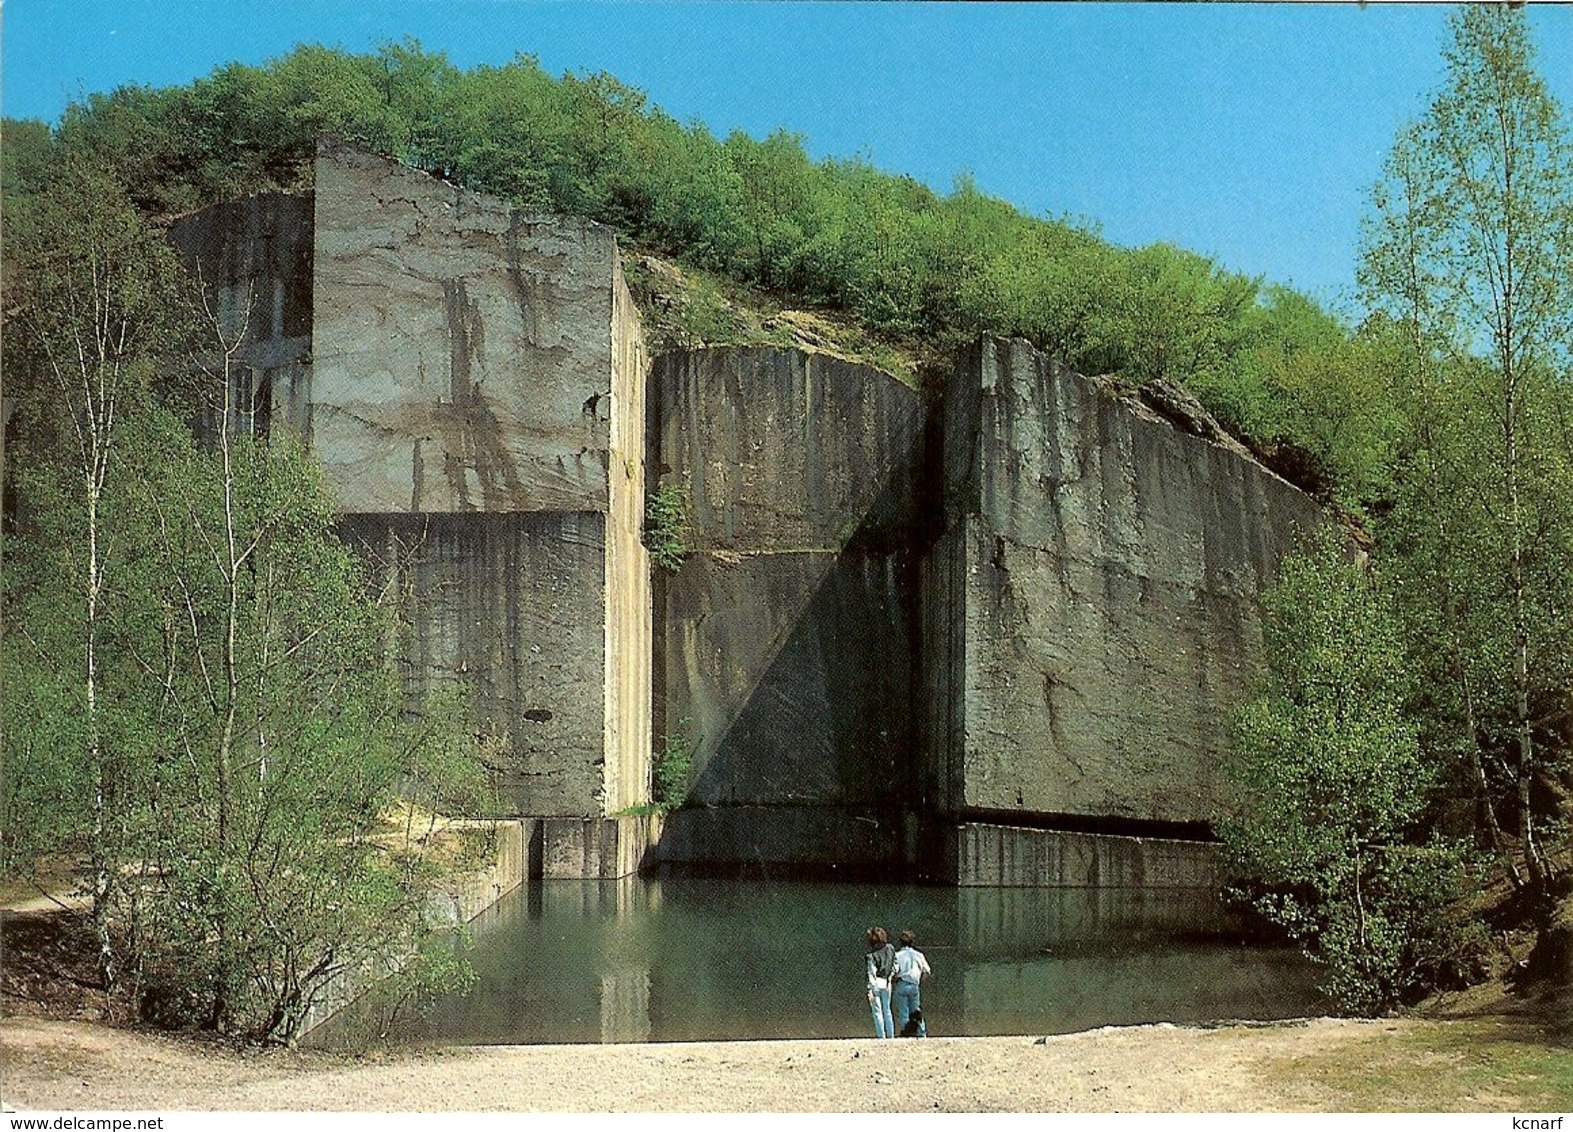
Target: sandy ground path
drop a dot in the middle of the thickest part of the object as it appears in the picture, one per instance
(74, 1065)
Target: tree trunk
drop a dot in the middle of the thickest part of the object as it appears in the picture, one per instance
(226, 745)
(1526, 741)
(1482, 783)
(1359, 903)
(102, 867)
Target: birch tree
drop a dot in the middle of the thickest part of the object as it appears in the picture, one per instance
(92, 305)
(1470, 248)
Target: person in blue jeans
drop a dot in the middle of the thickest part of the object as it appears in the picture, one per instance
(881, 961)
(911, 969)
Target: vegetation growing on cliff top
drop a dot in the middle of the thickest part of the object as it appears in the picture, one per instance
(921, 271)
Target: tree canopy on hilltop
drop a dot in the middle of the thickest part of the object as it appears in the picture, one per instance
(910, 264)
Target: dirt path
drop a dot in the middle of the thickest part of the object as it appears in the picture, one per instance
(1322, 1064)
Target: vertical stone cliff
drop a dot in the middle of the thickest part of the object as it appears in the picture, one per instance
(463, 352)
(785, 643)
(482, 369)
(628, 600)
(1016, 622)
(1090, 610)
(472, 380)
(254, 258)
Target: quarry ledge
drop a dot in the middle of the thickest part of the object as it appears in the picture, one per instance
(982, 855)
(1140, 829)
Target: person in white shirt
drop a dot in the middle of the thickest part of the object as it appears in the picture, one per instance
(911, 969)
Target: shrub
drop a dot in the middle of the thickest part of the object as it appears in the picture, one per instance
(666, 527)
(1331, 788)
(671, 766)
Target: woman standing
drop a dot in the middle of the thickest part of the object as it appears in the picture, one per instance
(911, 969)
(881, 962)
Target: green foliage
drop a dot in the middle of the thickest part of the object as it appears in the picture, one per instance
(198, 694)
(671, 766)
(706, 316)
(246, 833)
(283, 858)
(666, 526)
(1468, 260)
(1302, 379)
(25, 152)
(1470, 238)
(47, 780)
(1332, 790)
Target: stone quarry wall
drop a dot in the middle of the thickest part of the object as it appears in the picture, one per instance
(472, 380)
(1001, 856)
(785, 644)
(463, 351)
(254, 256)
(1033, 607)
(510, 608)
(626, 773)
(1090, 611)
(480, 372)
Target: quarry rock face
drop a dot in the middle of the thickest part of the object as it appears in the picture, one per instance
(254, 258)
(785, 643)
(1090, 610)
(995, 639)
(505, 608)
(472, 380)
(781, 449)
(462, 357)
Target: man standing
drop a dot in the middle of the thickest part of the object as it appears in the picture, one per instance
(911, 969)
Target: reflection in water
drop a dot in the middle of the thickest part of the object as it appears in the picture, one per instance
(688, 958)
(625, 1006)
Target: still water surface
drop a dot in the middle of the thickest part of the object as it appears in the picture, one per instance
(689, 958)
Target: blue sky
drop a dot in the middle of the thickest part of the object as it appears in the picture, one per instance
(1250, 133)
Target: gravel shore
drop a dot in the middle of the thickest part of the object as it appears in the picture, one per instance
(80, 1065)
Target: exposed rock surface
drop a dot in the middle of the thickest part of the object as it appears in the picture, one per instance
(472, 380)
(1182, 410)
(1002, 856)
(628, 623)
(255, 257)
(510, 609)
(1090, 612)
(785, 646)
(462, 354)
(468, 358)
(1041, 601)
(783, 450)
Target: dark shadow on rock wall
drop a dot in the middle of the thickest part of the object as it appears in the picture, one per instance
(794, 670)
